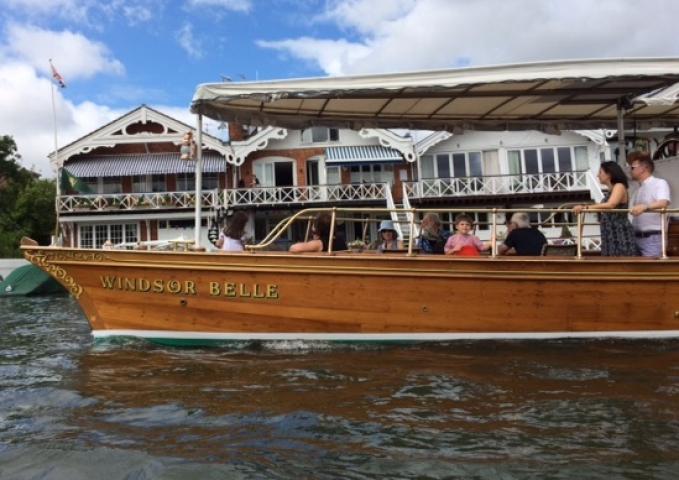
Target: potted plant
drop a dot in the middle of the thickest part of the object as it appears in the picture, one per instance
(356, 246)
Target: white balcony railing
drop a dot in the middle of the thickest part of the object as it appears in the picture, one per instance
(497, 185)
(135, 201)
(305, 194)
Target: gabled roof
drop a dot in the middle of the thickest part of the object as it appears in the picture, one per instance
(115, 133)
(565, 95)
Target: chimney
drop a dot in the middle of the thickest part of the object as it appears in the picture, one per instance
(236, 132)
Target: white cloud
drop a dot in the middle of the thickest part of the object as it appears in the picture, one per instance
(74, 55)
(74, 10)
(363, 15)
(424, 34)
(331, 55)
(233, 5)
(188, 42)
(89, 13)
(26, 114)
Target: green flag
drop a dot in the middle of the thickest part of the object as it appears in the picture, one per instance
(73, 183)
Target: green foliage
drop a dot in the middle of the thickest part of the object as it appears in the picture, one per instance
(26, 202)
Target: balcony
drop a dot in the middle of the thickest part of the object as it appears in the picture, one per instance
(491, 185)
(259, 196)
(308, 194)
(135, 201)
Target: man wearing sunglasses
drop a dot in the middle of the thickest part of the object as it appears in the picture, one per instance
(653, 193)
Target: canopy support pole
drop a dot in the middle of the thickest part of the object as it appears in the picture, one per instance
(199, 182)
(622, 155)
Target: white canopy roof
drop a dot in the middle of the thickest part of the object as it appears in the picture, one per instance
(565, 95)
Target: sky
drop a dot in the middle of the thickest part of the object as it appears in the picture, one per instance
(119, 54)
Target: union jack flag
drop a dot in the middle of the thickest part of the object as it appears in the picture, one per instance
(57, 76)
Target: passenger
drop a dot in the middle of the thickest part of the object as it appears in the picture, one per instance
(231, 238)
(321, 234)
(388, 238)
(522, 239)
(463, 243)
(617, 234)
(653, 193)
(432, 237)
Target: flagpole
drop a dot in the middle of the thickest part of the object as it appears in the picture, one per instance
(199, 181)
(56, 161)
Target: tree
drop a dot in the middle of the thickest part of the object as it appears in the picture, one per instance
(26, 202)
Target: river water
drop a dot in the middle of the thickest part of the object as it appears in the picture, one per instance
(70, 409)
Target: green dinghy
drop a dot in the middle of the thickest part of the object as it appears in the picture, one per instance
(29, 280)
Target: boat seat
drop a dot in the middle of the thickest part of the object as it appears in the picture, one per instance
(559, 250)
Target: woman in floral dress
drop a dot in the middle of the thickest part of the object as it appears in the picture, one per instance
(617, 234)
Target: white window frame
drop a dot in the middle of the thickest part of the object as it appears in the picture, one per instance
(451, 168)
(307, 135)
(259, 165)
(555, 149)
(98, 237)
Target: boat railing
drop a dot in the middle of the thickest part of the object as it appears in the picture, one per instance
(582, 219)
(498, 184)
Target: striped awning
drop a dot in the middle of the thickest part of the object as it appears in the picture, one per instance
(141, 164)
(360, 155)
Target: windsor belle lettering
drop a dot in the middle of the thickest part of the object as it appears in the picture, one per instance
(227, 289)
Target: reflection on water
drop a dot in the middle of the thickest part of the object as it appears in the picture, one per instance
(571, 409)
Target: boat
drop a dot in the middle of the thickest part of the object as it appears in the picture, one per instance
(29, 280)
(198, 297)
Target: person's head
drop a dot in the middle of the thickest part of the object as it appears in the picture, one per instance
(387, 230)
(463, 223)
(321, 225)
(235, 227)
(640, 165)
(611, 173)
(521, 220)
(431, 222)
(188, 137)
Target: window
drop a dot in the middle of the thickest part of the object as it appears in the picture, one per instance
(131, 232)
(581, 160)
(115, 234)
(86, 236)
(186, 182)
(443, 166)
(548, 164)
(112, 185)
(427, 167)
(320, 135)
(94, 236)
(565, 159)
(139, 184)
(547, 160)
(158, 183)
(456, 165)
(376, 173)
(210, 181)
(92, 183)
(101, 234)
(332, 175)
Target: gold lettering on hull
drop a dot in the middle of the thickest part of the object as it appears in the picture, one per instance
(242, 290)
(190, 287)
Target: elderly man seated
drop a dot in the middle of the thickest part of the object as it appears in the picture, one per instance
(522, 239)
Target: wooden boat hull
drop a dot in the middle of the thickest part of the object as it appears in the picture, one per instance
(198, 297)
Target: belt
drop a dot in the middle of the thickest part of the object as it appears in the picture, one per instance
(647, 233)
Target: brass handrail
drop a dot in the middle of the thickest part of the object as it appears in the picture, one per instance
(308, 212)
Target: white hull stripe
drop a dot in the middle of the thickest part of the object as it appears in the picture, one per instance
(362, 337)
